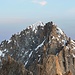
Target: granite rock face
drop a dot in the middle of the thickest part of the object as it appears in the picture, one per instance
(43, 49)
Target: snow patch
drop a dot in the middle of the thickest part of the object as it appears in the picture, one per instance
(26, 52)
(39, 55)
(64, 42)
(73, 55)
(57, 39)
(53, 37)
(39, 59)
(35, 31)
(2, 54)
(26, 63)
(72, 41)
(9, 41)
(34, 26)
(59, 36)
(5, 50)
(57, 54)
(59, 30)
(10, 47)
(49, 41)
(40, 45)
(30, 54)
(19, 35)
(67, 47)
(74, 48)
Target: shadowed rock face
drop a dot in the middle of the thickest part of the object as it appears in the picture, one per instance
(43, 49)
(11, 67)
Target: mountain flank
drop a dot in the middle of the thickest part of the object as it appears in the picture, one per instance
(40, 49)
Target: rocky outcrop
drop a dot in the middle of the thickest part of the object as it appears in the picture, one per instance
(11, 67)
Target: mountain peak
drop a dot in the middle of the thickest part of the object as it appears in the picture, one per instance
(35, 25)
(39, 46)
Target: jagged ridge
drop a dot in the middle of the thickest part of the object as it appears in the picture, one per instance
(38, 46)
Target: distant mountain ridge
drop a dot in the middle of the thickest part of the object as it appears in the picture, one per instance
(44, 49)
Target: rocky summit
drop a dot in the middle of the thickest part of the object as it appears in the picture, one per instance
(40, 49)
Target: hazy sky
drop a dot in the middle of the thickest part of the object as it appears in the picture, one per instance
(15, 15)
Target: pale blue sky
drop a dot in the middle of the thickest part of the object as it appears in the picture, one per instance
(15, 15)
